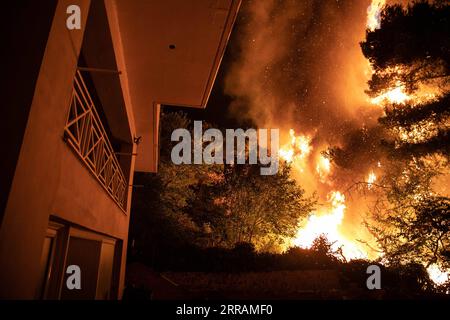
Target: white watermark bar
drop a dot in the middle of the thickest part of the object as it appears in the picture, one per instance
(235, 148)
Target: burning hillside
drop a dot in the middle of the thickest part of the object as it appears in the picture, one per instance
(311, 81)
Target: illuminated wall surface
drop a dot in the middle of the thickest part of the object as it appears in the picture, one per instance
(87, 80)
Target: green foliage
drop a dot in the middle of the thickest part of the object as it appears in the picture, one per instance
(213, 205)
(323, 247)
(246, 206)
(411, 50)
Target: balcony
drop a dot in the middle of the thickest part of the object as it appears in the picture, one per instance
(86, 135)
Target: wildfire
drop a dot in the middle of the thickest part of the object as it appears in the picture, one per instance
(371, 179)
(396, 95)
(327, 222)
(287, 154)
(418, 132)
(323, 168)
(296, 151)
(437, 275)
(373, 14)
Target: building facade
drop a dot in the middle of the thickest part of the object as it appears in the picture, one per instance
(81, 110)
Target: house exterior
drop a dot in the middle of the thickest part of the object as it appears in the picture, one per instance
(81, 113)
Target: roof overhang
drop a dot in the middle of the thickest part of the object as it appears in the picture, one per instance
(171, 52)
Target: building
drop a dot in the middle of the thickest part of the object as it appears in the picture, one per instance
(81, 113)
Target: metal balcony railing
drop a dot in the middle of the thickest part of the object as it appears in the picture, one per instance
(86, 135)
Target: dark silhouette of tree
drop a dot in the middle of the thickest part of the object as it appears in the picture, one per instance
(418, 130)
(322, 247)
(411, 51)
(411, 46)
(212, 205)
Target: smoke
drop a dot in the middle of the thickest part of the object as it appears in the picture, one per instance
(299, 65)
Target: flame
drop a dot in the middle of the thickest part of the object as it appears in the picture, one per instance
(418, 132)
(373, 14)
(296, 151)
(396, 95)
(327, 222)
(424, 92)
(437, 275)
(323, 168)
(371, 179)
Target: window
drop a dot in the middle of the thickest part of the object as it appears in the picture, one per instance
(97, 256)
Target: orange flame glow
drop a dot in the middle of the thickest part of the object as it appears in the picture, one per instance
(327, 222)
(437, 275)
(296, 151)
(328, 219)
(323, 168)
(396, 95)
(371, 180)
(373, 14)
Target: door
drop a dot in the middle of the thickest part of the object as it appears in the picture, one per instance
(91, 257)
